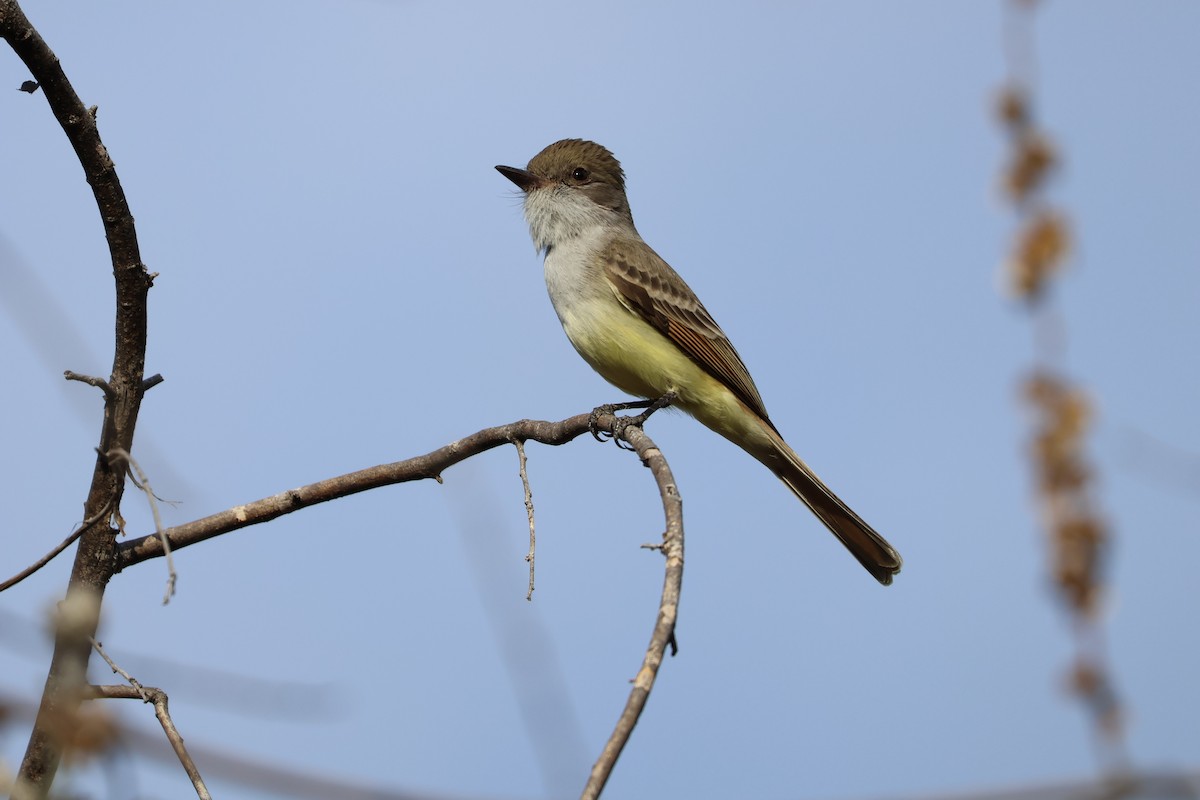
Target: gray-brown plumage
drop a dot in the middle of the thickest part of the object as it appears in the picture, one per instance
(632, 317)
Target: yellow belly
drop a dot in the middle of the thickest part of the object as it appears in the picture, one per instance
(633, 356)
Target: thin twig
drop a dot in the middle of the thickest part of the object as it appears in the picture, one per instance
(158, 698)
(532, 554)
(664, 625)
(46, 559)
(133, 682)
(143, 483)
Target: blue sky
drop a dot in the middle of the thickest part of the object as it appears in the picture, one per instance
(344, 280)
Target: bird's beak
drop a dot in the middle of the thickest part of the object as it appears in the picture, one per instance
(524, 179)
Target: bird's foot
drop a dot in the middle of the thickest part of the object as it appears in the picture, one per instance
(620, 424)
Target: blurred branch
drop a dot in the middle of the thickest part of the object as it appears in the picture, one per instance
(1164, 463)
(1157, 785)
(94, 558)
(1079, 538)
(283, 780)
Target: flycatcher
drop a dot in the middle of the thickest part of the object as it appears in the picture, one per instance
(644, 330)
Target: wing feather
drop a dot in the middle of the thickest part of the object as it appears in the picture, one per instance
(662, 298)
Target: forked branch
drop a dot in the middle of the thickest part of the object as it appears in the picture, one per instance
(431, 466)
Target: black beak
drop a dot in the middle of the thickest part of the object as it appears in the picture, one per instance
(524, 179)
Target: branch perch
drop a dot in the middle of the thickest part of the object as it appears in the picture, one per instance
(426, 467)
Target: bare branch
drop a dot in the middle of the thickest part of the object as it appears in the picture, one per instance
(428, 466)
(158, 698)
(94, 558)
(664, 626)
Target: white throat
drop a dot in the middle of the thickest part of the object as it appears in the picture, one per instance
(558, 215)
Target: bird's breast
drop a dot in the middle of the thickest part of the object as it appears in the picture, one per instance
(626, 350)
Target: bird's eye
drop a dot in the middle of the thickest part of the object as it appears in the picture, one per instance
(580, 174)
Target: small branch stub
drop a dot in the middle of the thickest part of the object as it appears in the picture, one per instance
(91, 380)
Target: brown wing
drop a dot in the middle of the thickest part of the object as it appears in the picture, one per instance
(660, 296)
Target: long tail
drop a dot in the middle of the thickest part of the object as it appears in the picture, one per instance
(871, 549)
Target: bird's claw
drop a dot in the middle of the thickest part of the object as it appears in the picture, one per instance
(594, 422)
(621, 424)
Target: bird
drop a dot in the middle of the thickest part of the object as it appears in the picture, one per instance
(642, 328)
